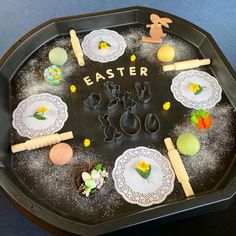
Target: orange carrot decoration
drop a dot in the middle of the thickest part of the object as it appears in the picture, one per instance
(201, 119)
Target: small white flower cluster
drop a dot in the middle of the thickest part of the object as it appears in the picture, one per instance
(95, 180)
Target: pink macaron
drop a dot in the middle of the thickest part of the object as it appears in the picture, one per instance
(61, 154)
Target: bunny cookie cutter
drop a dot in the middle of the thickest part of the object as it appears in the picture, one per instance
(110, 132)
(156, 31)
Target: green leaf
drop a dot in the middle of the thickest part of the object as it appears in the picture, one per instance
(98, 167)
(202, 113)
(194, 119)
(39, 116)
(198, 91)
(94, 190)
(144, 174)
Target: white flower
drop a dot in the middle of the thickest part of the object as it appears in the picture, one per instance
(104, 174)
(86, 192)
(101, 182)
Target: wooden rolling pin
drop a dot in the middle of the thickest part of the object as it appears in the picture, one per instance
(178, 167)
(77, 48)
(184, 65)
(41, 141)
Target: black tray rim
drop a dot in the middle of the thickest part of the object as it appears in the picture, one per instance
(222, 198)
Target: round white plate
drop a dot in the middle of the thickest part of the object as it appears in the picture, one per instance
(28, 126)
(136, 189)
(210, 95)
(91, 42)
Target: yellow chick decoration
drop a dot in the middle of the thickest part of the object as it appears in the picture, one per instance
(87, 142)
(73, 88)
(166, 106)
(133, 58)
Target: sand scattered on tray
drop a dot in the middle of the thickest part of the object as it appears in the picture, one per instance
(216, 143)
(148, 51)
(54, 183)
(30, 78)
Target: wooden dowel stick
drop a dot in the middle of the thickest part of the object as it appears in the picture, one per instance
(184, 65)
(178, 167)
(77, 48)
(41, 141)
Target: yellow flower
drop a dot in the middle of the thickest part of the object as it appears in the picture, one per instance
(103, 45)
(42, 109)
(194, 87)
(143, 166)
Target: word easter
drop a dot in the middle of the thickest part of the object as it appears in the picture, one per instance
(120, 71)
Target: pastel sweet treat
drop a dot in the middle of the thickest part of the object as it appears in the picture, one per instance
(188, 144)
(53, 75)
(61, 154)
(166, 53)
(58, 56)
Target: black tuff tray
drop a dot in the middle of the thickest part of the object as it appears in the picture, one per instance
(214, 196)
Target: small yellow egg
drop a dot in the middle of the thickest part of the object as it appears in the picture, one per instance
(73, 88)
(166, 53)
(166, 106)
(133, 58)
(87, 142)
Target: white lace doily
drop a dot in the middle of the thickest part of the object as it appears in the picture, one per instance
(28, 126)
(136, 189)
(91, 42)
(210, 95)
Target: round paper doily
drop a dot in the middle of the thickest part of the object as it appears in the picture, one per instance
(210, 95)
(91, 49)
(136, 189)
(28, 126)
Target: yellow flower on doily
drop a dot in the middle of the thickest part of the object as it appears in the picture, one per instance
(42, 109)
(195, 88)
(103, 45)
(143, 166)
